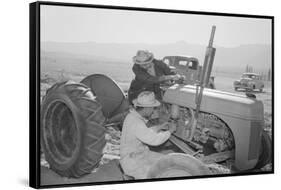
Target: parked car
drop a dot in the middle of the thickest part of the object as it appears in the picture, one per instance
(250, 82)
(189, 67)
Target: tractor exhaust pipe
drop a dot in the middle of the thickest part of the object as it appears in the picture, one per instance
(211, 51)
(204, 79)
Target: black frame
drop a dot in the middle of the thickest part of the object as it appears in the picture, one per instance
(34, 82)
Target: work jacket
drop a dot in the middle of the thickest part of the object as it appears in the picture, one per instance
(136, 158)
(143, 81)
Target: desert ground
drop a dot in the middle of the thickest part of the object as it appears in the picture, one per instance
(55, 69)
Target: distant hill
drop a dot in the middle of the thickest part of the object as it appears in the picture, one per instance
(232, 59)
(76, 65)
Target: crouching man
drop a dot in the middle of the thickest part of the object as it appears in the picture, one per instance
(136, 158)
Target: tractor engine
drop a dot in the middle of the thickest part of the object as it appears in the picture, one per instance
(210, 132)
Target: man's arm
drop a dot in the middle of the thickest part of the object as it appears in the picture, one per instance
(149, 136)
(168, 73)
(142, 75)
(157, 128)
(165, 68)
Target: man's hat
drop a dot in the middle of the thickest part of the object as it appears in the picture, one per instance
(143, 57)
(146, 99)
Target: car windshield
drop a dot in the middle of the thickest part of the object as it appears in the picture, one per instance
(252, 76)
(191, 64)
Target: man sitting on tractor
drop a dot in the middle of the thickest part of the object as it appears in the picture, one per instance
(136, 158)
(149, 74)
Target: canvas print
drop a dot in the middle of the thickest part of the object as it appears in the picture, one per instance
(134, 94)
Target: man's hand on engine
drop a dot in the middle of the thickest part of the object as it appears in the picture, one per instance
(167, 77)
(174, 77)
(166, 126)
(163, 126)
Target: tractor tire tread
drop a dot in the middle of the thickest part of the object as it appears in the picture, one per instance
(92, 132)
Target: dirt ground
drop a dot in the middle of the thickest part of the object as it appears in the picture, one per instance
(105, 173)
(109, 167)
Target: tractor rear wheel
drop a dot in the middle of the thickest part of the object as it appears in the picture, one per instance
(265, 151)
(72, 133)
(177, 165)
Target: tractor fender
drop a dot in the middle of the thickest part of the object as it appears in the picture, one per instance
(109, 94)
(247, 138)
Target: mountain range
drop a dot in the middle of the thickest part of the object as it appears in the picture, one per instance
(227, 59)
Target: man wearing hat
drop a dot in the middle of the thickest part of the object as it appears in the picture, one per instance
(136, 158)
(149, 74)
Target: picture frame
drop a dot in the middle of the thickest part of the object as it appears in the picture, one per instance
(62, 49)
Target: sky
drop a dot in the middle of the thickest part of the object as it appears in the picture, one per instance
(75, 24)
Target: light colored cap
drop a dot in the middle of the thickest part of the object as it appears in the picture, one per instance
(146, 99)
(143, 57)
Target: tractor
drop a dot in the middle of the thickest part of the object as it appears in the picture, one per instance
(212, 126)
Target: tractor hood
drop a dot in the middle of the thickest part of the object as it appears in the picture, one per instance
(216, 102)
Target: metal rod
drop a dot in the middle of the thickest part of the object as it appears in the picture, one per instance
(210, 66)
(207, 62)
(212, 36)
